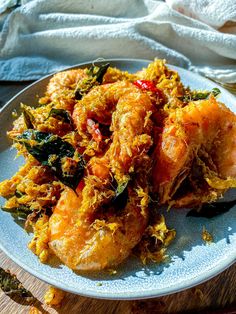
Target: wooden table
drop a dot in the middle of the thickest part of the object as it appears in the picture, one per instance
(217, 295)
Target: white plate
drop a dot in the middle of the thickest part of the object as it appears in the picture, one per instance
(192, 261)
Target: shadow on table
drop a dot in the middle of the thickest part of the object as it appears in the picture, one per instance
(33, 302)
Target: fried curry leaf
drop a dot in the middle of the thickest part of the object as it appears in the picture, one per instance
(215, 91)
(60, 114)
(18, 194)
(95, 77)
(28, 117)
(199, 95)
(43, 145)
(19, 212)
(12, 286)
(121, 195)
(52, 151)
(212, 210)
(98, 72)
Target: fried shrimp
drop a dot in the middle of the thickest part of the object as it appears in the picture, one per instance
(86, 231)
(61, 88)
(196, 153)
(132, 128)
(98, 105)
(60, 95)
(83, 242)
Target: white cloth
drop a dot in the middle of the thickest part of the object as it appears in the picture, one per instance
(212, 12)
(43, 36)
(6, 4)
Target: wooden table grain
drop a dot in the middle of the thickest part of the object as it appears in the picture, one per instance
(217, 295)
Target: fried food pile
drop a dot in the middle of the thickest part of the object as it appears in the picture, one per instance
(104, 149)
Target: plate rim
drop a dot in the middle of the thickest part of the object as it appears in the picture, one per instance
(99, 60)
(149, 294)
(152, 293)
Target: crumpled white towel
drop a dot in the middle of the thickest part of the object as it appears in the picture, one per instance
(212, 12)
(44, 36)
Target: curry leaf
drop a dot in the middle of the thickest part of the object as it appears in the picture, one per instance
(19, 212)
(12, 286)
(95, 77)
(52, 151)
(61, 114)
(28, 117)
(121, 195)
(99, 72)
(18, 194)
(199, 95)
(215, 91)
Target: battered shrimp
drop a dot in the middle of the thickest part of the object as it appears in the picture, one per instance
(196, 150)
(61, 88)
(87, 232)
(132, 128)
(60, 94)
(98, 105)
(83, 242)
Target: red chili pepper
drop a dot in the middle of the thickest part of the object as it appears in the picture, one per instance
(149, 86)
(146, 85)
(93, 129)
(80, 186)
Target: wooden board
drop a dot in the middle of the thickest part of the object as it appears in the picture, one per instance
(213, 296)
(217, 293)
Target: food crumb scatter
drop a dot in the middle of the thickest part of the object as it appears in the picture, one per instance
(34, 310)
(54, 296)
(99, 284)
(39, 243)
(206, 236)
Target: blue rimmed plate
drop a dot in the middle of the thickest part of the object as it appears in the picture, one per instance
(191, 260)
